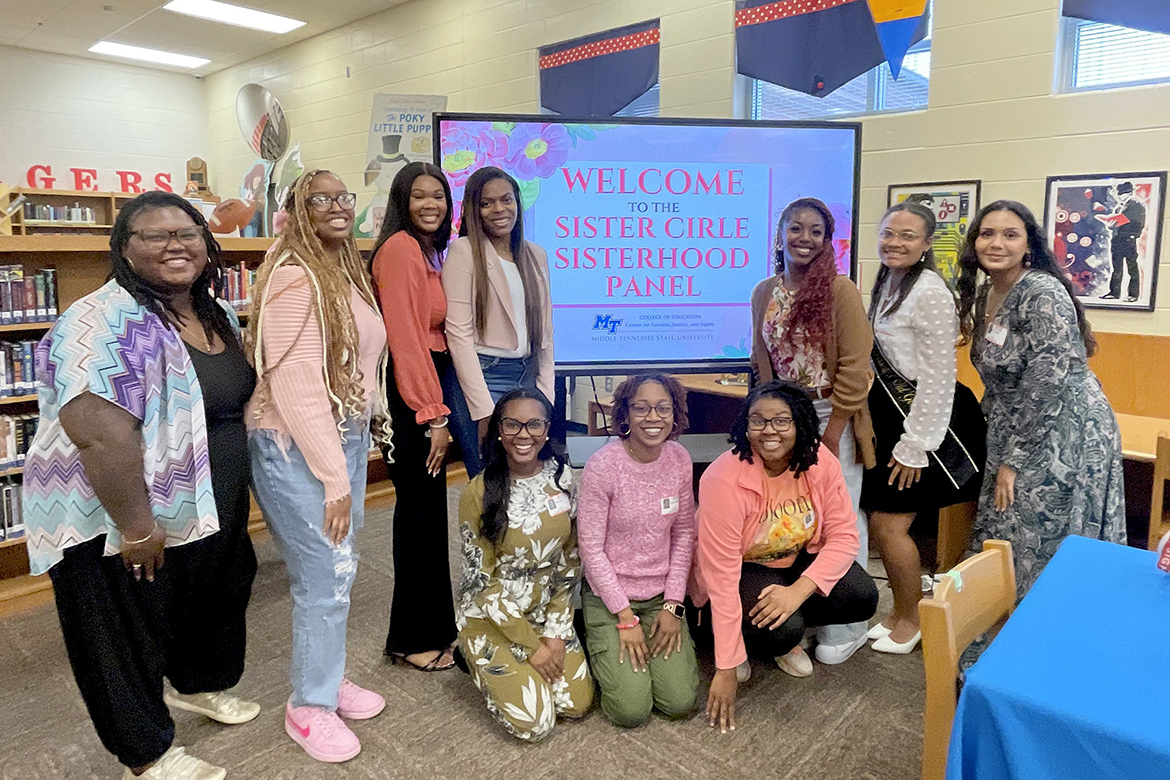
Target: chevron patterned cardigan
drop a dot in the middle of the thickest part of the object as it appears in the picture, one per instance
(112, 346)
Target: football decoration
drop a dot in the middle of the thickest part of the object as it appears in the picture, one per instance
(231, 215)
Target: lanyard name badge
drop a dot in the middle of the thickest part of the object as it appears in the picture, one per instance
(670, 505)
(558, 504)
(996, 334)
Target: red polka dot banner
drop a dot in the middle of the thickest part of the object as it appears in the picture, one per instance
(599, 74)
(770, 12)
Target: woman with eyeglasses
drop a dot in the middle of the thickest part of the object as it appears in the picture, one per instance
(136, 489)
(916, 324)
(809, 327)
(317, 340)
(636, 528)
(520, 565)
(777, 541)
(426, 403)
(499, 312)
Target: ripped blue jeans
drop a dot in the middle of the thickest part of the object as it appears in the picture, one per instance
(320, 574)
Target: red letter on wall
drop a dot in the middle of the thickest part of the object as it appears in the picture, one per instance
(45, 181)
(84, 179)
(163, 182)
(130, 181)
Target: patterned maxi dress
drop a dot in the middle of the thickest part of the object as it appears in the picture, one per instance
(517, 592)
(1049, 420)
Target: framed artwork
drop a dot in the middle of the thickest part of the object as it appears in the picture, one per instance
(954, 204)
(1105, 230)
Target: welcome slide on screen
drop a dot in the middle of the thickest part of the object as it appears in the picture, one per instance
(656, 233)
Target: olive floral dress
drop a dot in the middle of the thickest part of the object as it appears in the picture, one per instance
(517, 592)
(1049, 420)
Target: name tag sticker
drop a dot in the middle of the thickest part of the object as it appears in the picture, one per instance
(997, 334)
(558, 504)
(809, 520)
(670, 505)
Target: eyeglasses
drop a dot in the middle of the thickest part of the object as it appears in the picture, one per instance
(642, 409)
(322, 202)
(536, 427)
(158, 239)
(905, 235)
(756, 423)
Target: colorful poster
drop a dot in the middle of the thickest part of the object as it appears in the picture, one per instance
(657, 230)
(400, 132)
(1105, 231)
(954, 204)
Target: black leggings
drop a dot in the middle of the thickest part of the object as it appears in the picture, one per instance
(853, 599)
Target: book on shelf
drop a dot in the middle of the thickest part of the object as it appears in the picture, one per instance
(27, 296)
(18, 368)
(16, 435)
(11, 511)
(237, 286)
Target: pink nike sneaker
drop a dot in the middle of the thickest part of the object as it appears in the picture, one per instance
(356, 703)
(322, 734)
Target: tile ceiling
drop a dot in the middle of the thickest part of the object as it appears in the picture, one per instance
(72, 26)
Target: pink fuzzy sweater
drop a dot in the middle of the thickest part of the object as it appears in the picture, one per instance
(636, 525)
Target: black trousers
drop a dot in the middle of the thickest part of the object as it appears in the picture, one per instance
(853, 599)
(124, 636)
(1124, 255)
(422, 611)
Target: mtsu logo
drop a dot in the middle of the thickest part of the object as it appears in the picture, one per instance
(606, 322)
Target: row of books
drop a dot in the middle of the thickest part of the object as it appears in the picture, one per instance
(238, 283)
(16, 434)
(27, 296)
(18, 368)
(11, 512)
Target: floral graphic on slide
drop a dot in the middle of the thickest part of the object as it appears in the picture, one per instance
(471, 146)
(538, 150)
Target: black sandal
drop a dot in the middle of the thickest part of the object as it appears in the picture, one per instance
(434, 665)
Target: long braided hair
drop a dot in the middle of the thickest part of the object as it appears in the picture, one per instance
(812, 307)
(329, 282)
(205, 289)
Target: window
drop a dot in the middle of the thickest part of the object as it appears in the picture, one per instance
(646, 105)
(872, 92)
(1097, 56)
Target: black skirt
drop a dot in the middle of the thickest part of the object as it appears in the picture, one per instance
(934, 489)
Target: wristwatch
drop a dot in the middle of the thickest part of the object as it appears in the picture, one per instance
(678, 610)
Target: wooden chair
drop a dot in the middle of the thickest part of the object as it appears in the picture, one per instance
(950, 621)
(954, 533)
(1160, 514)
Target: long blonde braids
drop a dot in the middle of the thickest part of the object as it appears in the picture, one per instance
(329, 281)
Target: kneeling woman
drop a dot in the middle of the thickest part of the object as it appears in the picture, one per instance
(636, 520)
(777, 539)
(519, 565)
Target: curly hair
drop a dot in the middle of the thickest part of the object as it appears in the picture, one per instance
(812, 308)
(329, 281)
(204, 290)
(1038, 258)
(471, 226)
(804, 420)
(398, 209)
(497, 480)
(626, 391)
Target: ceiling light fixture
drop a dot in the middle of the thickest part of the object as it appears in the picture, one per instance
(147, 55)
(233, 14)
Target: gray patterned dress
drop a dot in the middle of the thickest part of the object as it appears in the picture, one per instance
(1048, 419)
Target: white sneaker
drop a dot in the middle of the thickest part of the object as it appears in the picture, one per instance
(743, 672)
(795, 662)
(839, 654)
(175, 764)
(217, 705)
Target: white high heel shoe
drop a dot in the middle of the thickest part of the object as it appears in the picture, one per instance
(887, 645)
(877, 632)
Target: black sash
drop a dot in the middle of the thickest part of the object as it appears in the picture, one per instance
(952, 456)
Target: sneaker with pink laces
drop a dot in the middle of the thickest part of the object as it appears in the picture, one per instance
(357, 703)
(322, 734)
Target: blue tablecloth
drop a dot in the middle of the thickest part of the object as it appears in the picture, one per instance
(1077, 684)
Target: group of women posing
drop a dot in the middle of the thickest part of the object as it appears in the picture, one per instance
(151, 375)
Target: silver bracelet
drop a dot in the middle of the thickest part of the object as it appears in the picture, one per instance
(143, 539)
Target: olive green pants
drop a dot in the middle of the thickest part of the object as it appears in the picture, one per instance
(627, 696)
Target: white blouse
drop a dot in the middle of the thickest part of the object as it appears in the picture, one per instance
(919, 340)
(516, 291)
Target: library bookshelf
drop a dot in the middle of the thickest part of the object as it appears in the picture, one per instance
(82, 266)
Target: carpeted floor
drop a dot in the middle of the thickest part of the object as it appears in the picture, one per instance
(858, 721)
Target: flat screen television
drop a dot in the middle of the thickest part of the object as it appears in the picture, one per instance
(657, 229)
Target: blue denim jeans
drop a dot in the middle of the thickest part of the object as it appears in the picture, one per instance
(320, 574)
(504, 374)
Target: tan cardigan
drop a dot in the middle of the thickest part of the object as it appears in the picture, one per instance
(847, 348)
(500, 329)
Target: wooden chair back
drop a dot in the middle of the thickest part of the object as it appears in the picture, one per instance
(1160, 514)
(974, 597)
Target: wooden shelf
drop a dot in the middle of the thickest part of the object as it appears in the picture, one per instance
(19, 326)
(63, 224)
(12, 542)
(12, 472)
(47, 242)
(18, 399)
